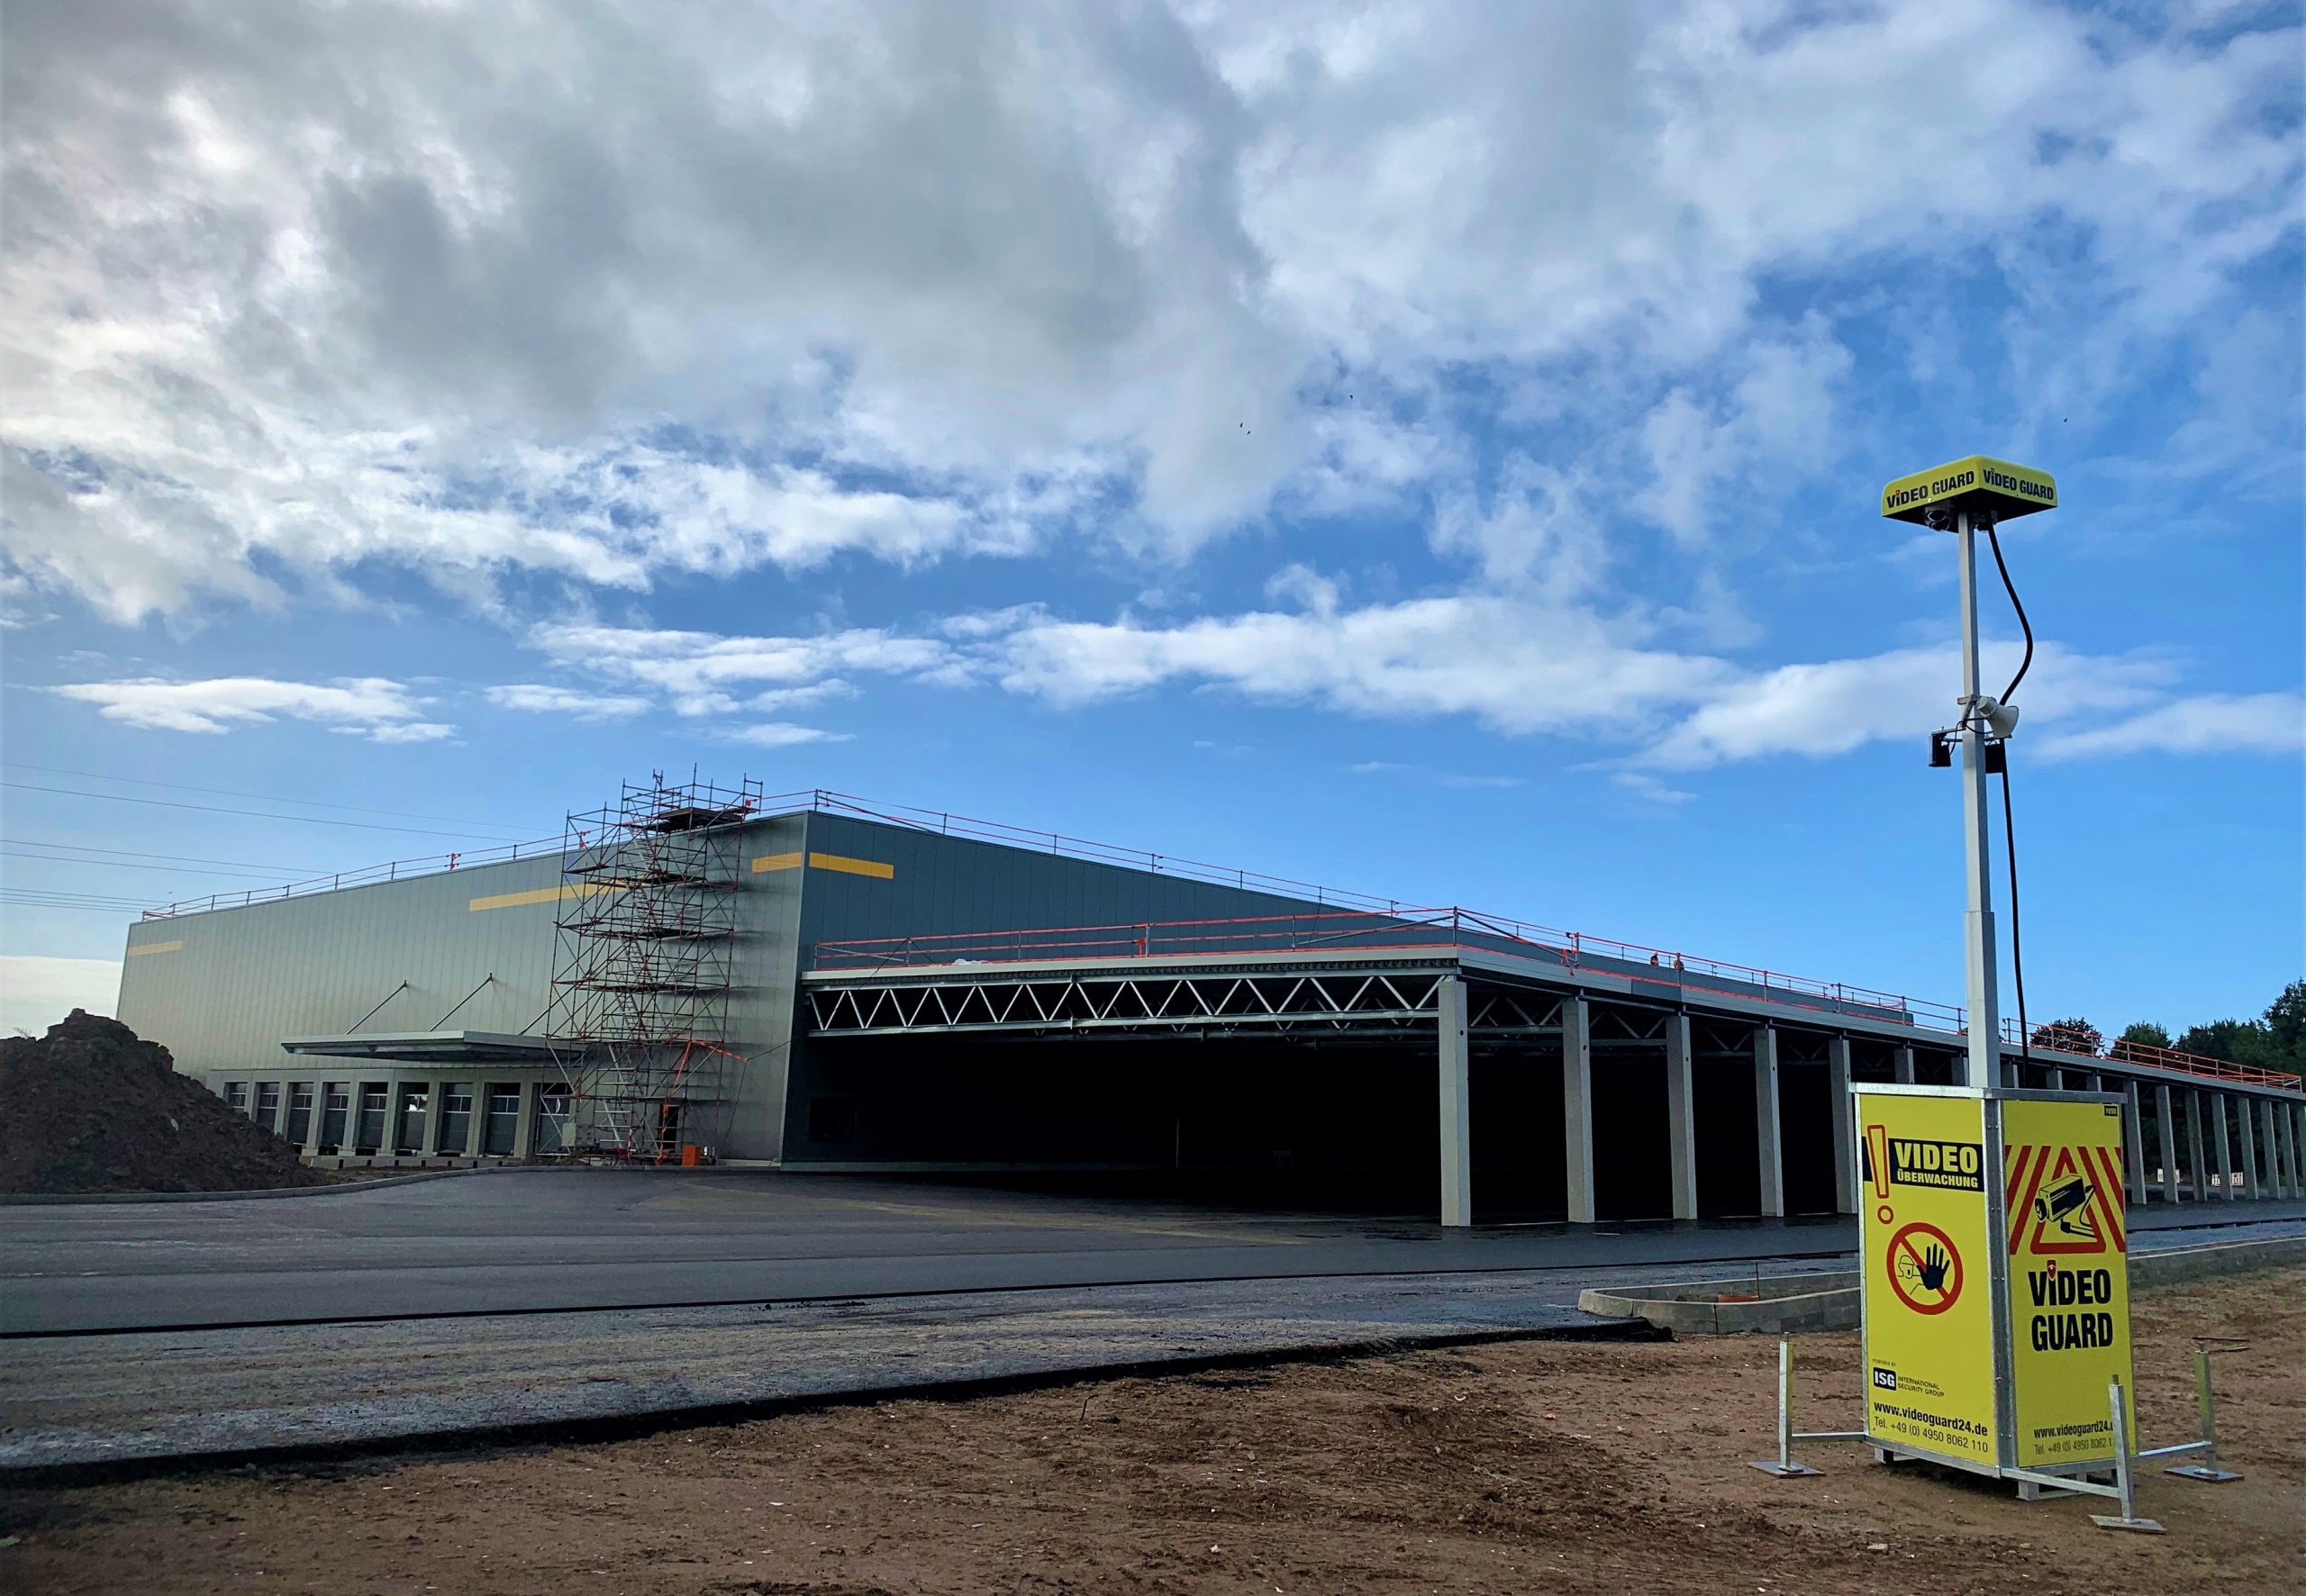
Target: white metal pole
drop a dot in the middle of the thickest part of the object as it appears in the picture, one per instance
(1984, 1067)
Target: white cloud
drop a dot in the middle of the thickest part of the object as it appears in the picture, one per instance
(597, 295)
(2202, 724)
(543, 698)
(777, 734)
(1650, 789)
(1516, 665)
(37, 990)
(1835, 705)
(380, 710)
(700, 673)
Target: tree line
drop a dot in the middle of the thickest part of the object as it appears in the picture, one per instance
(2276, 1039)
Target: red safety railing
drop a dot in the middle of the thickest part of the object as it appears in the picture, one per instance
(1356, 931)
(2148, 1055)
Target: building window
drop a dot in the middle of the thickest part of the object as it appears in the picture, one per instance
(236, 1096)
(503, 1119)
(456, 1116)
(336, 1098)
(553, 1102)
(267, 1103)
(415, 1104)
(300, 1111)
(369, 1134)
(832, 1119)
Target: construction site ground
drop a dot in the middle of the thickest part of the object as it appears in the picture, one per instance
(1509, 1467)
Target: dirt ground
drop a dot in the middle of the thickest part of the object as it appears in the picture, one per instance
(1512, 1467)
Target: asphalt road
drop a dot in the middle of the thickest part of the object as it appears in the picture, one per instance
(556, 1241)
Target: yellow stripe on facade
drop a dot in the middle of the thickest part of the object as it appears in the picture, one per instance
(873, 868)
(155, 947)
(543, 894)
(840, 862)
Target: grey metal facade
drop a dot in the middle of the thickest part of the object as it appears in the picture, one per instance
(223, 988)
(861, 1048)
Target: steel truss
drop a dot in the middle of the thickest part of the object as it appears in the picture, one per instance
(1340, 1002)
(645, 957)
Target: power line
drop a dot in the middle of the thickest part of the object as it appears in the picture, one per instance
(299, 871)
(275, 877)
(308, 819)
(135, 781)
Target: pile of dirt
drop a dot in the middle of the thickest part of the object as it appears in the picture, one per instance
(90, 1107)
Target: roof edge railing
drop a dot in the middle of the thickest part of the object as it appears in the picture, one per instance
(1415, 930)
(1675, 966)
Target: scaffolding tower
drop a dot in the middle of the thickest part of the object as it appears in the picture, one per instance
(645, 956)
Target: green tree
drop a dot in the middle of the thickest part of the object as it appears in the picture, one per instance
(2146, 1033)
(2238, 1041)
(2285, 1025)
(2076, 1035)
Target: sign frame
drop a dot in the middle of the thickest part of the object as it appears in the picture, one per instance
(2002, 1352)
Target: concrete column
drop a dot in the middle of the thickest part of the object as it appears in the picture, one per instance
(313, 1125)
(477, 1126)
(1769, 1156)
(2134, 1139)
(2165, 1114)
(2277, 1153)
(2246, 1112)
(524, 1127)
(1577, 1107)
(2097, 1083)
(1845, 1134)
(1681, 1117)
(2055, 1079)
(2225, 1149)
(1456, 1107)
(2195, 1165)
(430, 1145)
(1901, 1067)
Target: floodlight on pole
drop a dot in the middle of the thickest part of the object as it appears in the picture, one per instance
(1961, 497)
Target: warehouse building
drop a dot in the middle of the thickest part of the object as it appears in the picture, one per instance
(697, 972)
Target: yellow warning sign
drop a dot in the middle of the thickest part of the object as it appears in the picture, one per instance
(1925, 1245)
(1977, 483)
(2069, 1276)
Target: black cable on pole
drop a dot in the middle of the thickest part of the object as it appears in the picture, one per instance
(2009, 821)
(2024, 625)
(2017, 955)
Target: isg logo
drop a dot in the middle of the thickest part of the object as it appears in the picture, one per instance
(1887, 1379)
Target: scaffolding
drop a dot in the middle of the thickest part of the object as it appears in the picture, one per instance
(645, 957)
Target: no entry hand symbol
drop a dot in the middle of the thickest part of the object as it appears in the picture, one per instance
(1925, 1269)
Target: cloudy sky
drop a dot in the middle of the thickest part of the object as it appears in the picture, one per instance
(1425, 449)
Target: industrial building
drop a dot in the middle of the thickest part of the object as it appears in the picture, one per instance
(695, 972)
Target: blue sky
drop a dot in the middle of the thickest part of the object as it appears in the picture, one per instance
(1429, 450)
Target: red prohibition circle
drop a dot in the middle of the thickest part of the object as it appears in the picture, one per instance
(1902, 1243)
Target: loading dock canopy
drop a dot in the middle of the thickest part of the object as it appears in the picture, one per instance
(428, 1047)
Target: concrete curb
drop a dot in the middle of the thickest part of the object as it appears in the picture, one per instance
(2215, 1258)
(1828, 1300)
(59, 1198)
(694, 1415)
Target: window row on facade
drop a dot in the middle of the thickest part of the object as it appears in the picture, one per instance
(446, 1118)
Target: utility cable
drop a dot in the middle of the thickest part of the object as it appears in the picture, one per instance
(1995, 543)
(136, 781)
(2017, 955)
(309, 819)
(2009, 820)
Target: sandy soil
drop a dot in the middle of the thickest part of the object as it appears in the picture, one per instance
(1516, 1467)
